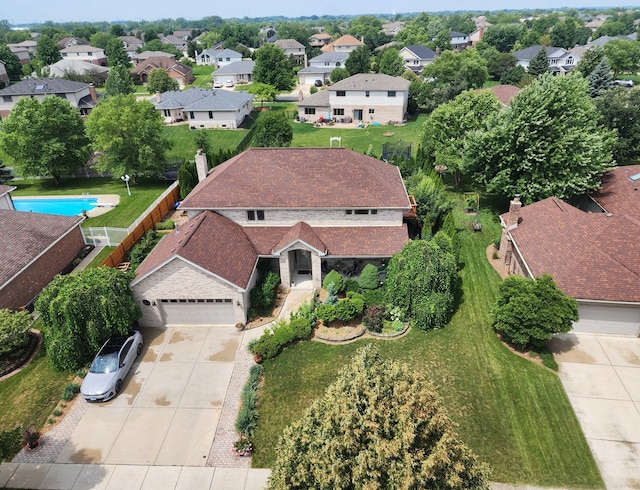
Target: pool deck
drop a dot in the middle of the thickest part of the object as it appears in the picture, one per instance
(105, 201)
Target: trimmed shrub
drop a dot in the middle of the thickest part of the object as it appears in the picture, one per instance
(263, 295)
(374, 316)
(345, 310)
(326, 313)
(374, 296)
(351, 285)
(280, 335)
(301, 328)
(10, 443)
(357, 300)
(313, 89)
(306, 311)
(333, 277)
(369, 277)
(70, 391)
(332, 299)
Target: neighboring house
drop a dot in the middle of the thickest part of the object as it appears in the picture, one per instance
(145, 55)
(504, 93)
(368, 97)
(298, 211)
(35, 248)
(225, 57)
(67, 42)
(29, 45)
(602, 40)
(81, 52)
(177, 42)
(176, 70)
(560, 60)
(207, 57)
(417, 57)
(592, 254)
(4, 76)
(237, 72)
(459, 40)
(320, 67)
(67, 65)
(344, 44)
(131, 44)
(293, 49)
(481, 21)
(79, 94)
(184, 34)
(320, 39)
(596, 23)
(203, 108)
(476, 36)
(23, 54)
(392, 28)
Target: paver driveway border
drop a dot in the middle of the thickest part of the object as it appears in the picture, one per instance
(601, 376)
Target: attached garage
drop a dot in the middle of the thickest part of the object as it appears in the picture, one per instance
(198, 311)
(608, 319)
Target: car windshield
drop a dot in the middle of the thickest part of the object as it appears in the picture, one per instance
(104, 364)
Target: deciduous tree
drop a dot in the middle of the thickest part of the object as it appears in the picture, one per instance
(80, 311)
(272, 130)
(11, 62)
(263, 92)
(116, 54)
(160, 81)
(546, 143)
(619, 110)
(45, 138)
(391, 63)
(444, 131)
(119, 81)
(339, 74)
(590, 60)
(530, 311)
(47, 51)
(128, 133)
(359, 61)
(502, 36)
(623, 56)
(467, 68)
(272, 67)
(378, 425)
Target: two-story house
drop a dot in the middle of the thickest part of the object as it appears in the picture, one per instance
(560, 60)
(297, 211)
(79, 94)
(179, 43)
(223, 57)
(320, 67)
(90, 54)
(366, 97)
(294, 50)
(131, 44)
(344, 44)
(319, 39)
(459, 40)
(417, 57)
(204, 108)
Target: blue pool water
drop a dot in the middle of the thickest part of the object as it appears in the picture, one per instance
(66, 206)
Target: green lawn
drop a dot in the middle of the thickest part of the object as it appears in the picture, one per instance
(101, 257)
(202, 76)
(513, 413)
(184, 147)
(305, 134)
(28, 397)
(142, 196)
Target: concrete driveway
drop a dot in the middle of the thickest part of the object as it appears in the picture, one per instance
(601, 375)
(169, 409)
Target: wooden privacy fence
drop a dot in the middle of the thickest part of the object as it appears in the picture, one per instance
(145, 223)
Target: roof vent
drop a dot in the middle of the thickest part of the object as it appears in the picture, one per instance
(635, 177)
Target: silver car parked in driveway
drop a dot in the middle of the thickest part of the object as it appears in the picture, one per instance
(110, 367)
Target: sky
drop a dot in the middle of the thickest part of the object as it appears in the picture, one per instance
(38, 11)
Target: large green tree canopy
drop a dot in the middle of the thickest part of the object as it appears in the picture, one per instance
(619, 110)
(128, 133)
(546, 143)
(45, 138)
(272, 130)
(466, 67)
(273, 68)
(80, 311)
(379, 425)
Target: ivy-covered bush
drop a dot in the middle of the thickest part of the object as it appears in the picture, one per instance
(263, 295)
(14, 330)
(333, 277)
(369, 277)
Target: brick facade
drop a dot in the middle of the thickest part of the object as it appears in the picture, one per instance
(28, 283)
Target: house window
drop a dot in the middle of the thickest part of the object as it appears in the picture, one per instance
(191, 116)
(372, 111)
(167, 113)
(210, 114)
(338, 112)
(310, 110)
(366, 94)
(257, 215)
(341, 93)
(360, 212)
(326, 63)
(89, 53)
(6, 98)
(391, 93)
(337, 63)
(228, 59)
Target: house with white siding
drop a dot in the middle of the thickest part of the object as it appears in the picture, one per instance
(81, 52)
(417, 57)
(560, 60)
(297, 211)
(320, 67)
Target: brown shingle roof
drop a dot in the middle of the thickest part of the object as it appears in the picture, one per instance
(619, 195)
(210, 241)
(504, 93)
(303, 232)
(300, 178)
(590, 256)
(160, 62)
(347, 40)
(26, 235)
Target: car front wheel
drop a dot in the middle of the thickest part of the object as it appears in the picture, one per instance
(118, 386)
(139, 350)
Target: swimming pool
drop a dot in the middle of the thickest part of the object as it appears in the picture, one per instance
(70, 206)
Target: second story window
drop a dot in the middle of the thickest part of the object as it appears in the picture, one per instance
(391, 93)
(210, 114)
(341, 93)
(257, 215)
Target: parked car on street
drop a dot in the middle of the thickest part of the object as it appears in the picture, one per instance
(111, 366)
(623, 83)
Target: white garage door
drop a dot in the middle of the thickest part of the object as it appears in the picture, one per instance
(198, 311)
(617, 320)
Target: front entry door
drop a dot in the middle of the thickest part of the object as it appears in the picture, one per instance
(303, 261)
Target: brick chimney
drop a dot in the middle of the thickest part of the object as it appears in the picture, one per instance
(514, 212)
(94, 95)
(201, 165)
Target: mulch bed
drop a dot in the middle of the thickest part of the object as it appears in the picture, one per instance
(263, 320)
